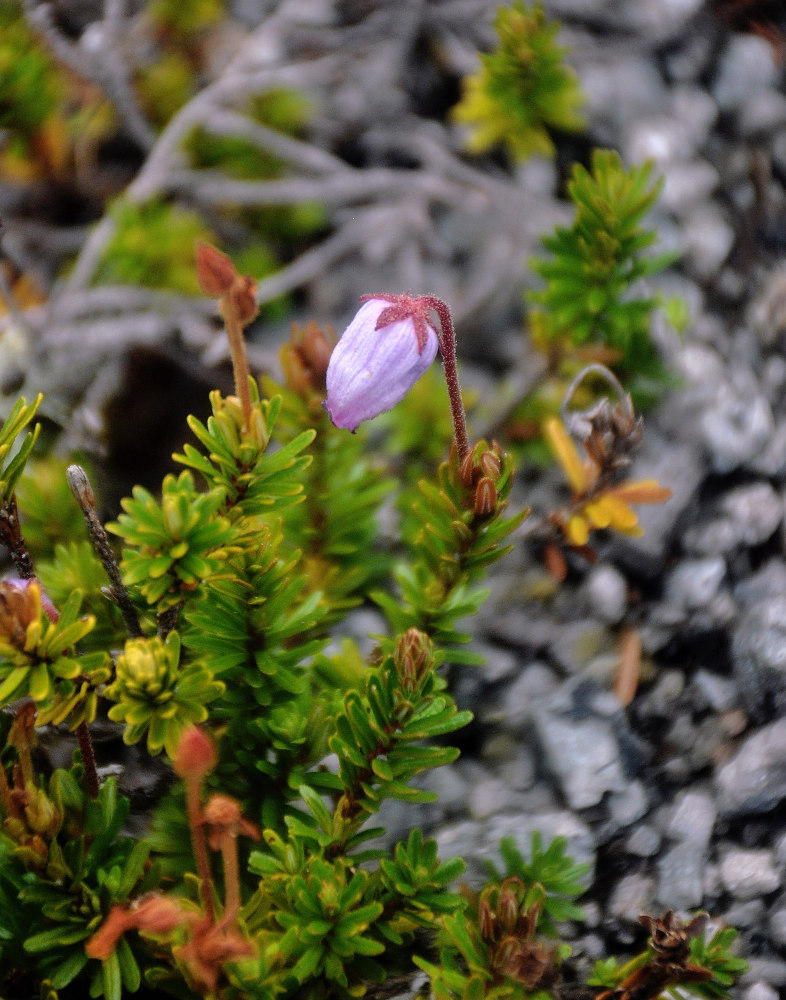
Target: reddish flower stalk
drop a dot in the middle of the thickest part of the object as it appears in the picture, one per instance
(236, 295)
(194, 759)
(224, 821)
(447, 347)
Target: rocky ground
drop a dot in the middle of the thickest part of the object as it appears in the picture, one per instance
(678, 799)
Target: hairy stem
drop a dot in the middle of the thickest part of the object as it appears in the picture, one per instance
(83, 493)
(198, 842)
(447, 347)
(237, 349)
(11, 537)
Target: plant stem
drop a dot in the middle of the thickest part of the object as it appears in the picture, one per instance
(447, 346)
(198, 843)
(88, 759)
(231, 877)
(84, 496)
(11, 536)
(237, 349)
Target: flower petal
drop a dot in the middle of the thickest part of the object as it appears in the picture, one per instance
(371, 370)
(567, 454)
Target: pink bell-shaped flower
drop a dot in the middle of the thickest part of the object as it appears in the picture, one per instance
(382, 353)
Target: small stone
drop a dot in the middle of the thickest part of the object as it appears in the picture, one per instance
(761, 991)
(776, 925)
(607, 593)
(762, 114)
(498, 663)
(769, 581)
(748, 914)
(644, 842)
(604, 80)
(756, 510)
(693, 818)
(719, 693)
(770, 970)
(695, 582)
(735, 426)
(771, 460)
(634, 894)
(709, 239)
(746, 67)
(580, 748)
(627, 806)
(749, 873)
(754, 780)
(576, 643)
(687, 184)
(759, 656)
(681, 876)
(535, 683)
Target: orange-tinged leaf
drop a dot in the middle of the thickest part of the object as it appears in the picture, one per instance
(555, 562)
(567, 454)
(642, 491)
(629, 672)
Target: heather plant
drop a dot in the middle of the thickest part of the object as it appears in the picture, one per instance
(264, 873)
(208, 621)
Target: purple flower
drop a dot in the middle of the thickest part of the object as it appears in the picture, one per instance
(381, 355)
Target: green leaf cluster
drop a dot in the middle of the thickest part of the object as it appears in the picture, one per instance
(178, 543)
(593, 293)
(524, 89)
(561, 879)
(716, 955)
(156, 695)
(450, 546)
(30, 84)
(497, 946)
(13, 454)
(343, 488)
(38, 660)
(236, 461)
(46, 917)
(152, 246)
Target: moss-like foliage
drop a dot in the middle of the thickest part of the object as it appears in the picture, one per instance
(524, 89)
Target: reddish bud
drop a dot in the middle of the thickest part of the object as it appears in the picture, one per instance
(508, 909)
(413, 656)
(243, 296)
(195, 756)
(214, 270)
(223, 817)
(306, 357)
(490, 464)
(487, 922)
(158, 915)
(467, 467)
(485, 497)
